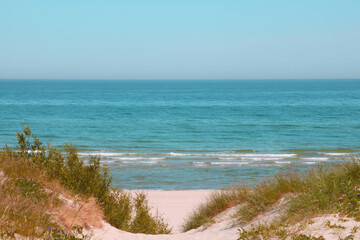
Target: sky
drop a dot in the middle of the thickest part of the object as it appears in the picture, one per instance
(184, 39)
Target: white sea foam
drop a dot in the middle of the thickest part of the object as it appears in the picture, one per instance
(138, 158)
(116, 154)
(199, 164)
(33, 151)
(261, 158)
(229, 163)
(226, 159)
(282, 162)
(121, 156)
(129, 158)
(234, 155)
(106, 154)
(148, 162)
(309, 162)
(203, 155)
(140, 162)
(221, 155)
(280, 155)
(242, 155)
(157, 158)
(223, 163)
(179, 154)
(316, 158)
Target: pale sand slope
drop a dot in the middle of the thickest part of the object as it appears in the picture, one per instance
(331, 227)
(175, 207)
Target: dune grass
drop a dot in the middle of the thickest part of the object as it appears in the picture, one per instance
(24, 203)
(32, 165)
(216, 203)
(328, 188)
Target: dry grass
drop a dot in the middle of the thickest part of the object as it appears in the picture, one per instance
(37, 176)
(84, 214)
(27, 205)
(216, 203)
(326, 189)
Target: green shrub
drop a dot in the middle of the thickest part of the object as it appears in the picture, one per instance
(23, 208)
(143, 222)
(87, 178)
(75, 233)
(31, 188)
(118, 209)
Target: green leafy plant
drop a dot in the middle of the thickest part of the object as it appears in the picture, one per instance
(84, 176)
(31, 188)
(306, 237)
(143, 221)
(350, 237)
(75, 233)
(332, 226)
(354, 229)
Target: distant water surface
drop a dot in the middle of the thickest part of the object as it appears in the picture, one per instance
(190, 134)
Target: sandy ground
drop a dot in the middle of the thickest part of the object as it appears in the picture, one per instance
(175, 207)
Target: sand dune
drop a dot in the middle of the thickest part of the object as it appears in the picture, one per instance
(176, 206)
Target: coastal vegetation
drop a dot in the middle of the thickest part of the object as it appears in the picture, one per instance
(37, 181)
(35, 177)
(326, 189)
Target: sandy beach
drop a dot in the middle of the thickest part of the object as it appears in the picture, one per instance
(175, 207)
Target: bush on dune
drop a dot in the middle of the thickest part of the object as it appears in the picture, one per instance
(326, 189)
(87, 178)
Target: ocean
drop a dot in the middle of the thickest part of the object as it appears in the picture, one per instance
(203, 134)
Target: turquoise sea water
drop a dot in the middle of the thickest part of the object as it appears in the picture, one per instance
(190, 134)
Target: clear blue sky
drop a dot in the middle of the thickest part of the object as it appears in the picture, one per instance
(184, 39)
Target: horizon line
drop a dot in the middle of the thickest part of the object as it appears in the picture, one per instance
(172, 79)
